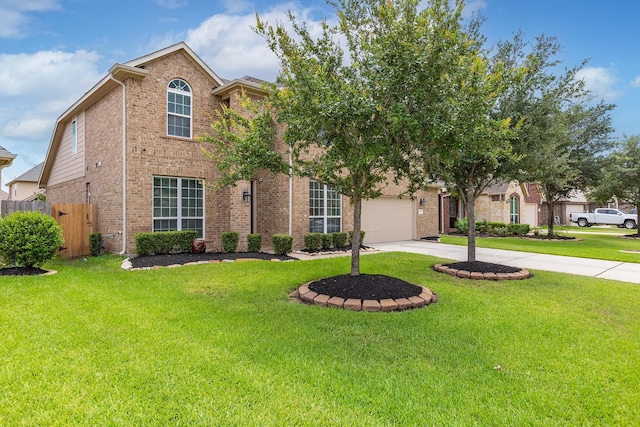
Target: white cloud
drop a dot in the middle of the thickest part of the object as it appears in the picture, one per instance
(227, 43)
(38, 87)
(636, 82)
(172, 4)
(600, 81)
(474, 6)
(237, 6)
(16, 15)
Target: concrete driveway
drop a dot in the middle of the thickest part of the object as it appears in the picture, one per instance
(614, 270)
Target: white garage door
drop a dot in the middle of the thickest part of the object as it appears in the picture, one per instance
(387, 219)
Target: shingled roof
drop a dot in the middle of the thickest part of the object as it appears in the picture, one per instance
(32, 175)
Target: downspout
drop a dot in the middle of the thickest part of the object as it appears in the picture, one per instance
(124, 165)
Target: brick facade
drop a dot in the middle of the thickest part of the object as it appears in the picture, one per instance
(150, 152)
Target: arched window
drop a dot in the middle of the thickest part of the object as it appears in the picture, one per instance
(514, 210)
(179, 109)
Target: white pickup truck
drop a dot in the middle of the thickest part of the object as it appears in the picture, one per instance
(604, 216)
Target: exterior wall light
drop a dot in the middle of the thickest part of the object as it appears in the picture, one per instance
(246, 196)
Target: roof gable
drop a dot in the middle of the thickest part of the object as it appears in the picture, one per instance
(117, 74)
(140, 62)
(32, 175)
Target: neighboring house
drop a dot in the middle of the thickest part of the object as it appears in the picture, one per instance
(510, 203)
(576, 202)
(507, 203)
(6, 158)
(4, 195)
(25, 187)
(129, 146)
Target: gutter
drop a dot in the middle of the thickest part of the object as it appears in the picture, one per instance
(124, 164)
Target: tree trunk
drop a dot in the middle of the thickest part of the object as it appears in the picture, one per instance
(355, 239)
(550, 218)
(471, 218)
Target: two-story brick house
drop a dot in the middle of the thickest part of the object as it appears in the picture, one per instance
(128, 146)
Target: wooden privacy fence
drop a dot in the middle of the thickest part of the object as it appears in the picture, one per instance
(11, 206)
(77, 222)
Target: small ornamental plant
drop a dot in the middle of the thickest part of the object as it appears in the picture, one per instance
(230, 241)
(254, 242)
(29, 239)
(313, 241)
(282, 243)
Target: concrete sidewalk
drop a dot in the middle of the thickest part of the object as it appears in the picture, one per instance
(614, 270)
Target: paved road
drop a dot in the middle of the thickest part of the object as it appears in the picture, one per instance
(614, 270)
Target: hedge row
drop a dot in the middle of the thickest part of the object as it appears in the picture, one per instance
(317, 241)
(164, 242)
(493, 228)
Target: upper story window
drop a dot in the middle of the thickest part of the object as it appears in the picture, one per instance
(179, 109)
(74, 137)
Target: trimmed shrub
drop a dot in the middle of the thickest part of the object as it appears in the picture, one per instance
(282, 243)
(462, 225)
(518, 229)
(313, 241)
(493, 226)
(29, 239)
(230, 241)
(501, 231)
(481, 227)
(164, 242)
(339, 239)
(95, 244)
(254, 242)
(327, 241)
(362, 233)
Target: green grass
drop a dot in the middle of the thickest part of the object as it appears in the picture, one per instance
(223, 345)
(572, 229)
(596, 246)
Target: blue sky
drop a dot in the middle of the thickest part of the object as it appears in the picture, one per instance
(53, 51)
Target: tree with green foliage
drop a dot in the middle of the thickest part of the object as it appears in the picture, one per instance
(563, 135)
(621, 174)
(475, 149)
(352, 114)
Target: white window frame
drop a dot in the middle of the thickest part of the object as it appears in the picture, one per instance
(514, 218)
(183, 90)
(320, 208)
(180, 199)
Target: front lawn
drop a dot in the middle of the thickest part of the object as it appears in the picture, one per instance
(222, 344)
(587, 245)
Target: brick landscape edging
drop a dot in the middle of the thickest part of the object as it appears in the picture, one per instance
(475, 275)
(425, 298)
(127, 265)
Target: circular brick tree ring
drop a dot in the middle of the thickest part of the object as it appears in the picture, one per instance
(504, 273)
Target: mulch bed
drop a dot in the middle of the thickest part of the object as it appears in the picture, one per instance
(365, 287)
(21, 271)
(631, 236)
(187, 257)
(483, 267)
(478, 270)
(546, 237)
